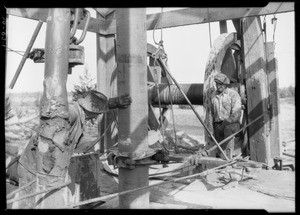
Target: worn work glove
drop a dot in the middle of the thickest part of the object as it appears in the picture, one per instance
(193, 160)
(119, 102)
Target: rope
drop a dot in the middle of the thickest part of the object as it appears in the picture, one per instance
(37, 193)
(202, 174)
(19, 189)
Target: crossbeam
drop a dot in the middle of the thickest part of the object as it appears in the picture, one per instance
(95, 25)
(176, 18)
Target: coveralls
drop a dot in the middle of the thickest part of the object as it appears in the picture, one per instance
(226, 108)
(27, 162)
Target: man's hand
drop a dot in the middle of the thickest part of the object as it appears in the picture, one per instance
(193, 159)
(124, 101)
(120, 102)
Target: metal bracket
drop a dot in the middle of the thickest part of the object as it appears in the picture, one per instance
(76, 55)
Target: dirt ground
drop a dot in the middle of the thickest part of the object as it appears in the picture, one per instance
(19, 129)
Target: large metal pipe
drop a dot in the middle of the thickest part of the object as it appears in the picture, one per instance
(52, 162)
(54, 101)
(194, 92)
(133, 121)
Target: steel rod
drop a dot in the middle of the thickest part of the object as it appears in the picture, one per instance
(198, 116)
(204, 173)
(232, 135)
(25, 56)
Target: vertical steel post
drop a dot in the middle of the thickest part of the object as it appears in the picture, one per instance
(132, 79)
(53, 156)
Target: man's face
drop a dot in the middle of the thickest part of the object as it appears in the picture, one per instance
(90, 115)
(220, 87)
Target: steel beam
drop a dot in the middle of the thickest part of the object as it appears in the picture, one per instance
(133, 121)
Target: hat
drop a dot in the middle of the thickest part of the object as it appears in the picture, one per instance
(222, 78)
(94, 102)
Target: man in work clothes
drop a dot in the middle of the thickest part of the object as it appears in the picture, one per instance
(45, 167)
(226, 112)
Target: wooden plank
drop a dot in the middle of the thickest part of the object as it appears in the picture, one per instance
(257, 89)
(274, 99)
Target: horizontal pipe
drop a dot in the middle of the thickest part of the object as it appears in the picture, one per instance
(194, 92)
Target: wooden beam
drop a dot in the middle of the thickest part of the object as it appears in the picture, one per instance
(193, 16)
(106, 84)
(257, 89)
(133, 121)
(95, 25)
(190, 16)
(104, 12)
(272, 72)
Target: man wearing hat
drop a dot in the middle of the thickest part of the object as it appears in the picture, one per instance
(226, 112)
(88, 106)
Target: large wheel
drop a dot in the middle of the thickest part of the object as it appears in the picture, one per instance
(223, 57)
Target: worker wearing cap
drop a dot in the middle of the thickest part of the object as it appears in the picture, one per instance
(32, 163)
(226, 113)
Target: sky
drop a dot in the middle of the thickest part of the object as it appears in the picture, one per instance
(187, 48)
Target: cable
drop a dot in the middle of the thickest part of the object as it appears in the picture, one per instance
(161, 34)
(208, 17)
(16, 51)
(202, 174)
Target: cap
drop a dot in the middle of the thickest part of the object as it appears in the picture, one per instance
(94, 102)
(222, 78)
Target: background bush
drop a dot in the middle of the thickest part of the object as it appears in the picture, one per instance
(286, 92)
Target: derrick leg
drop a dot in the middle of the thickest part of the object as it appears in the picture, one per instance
(133, 121)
